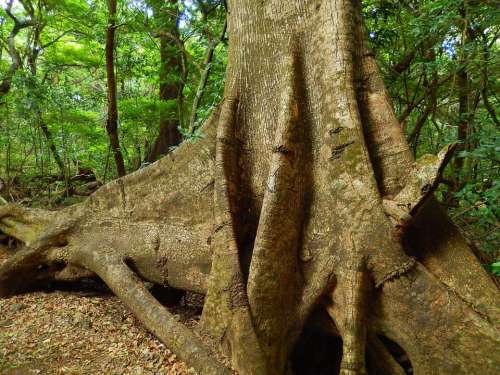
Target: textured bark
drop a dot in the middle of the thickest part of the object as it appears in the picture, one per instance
(303, 197)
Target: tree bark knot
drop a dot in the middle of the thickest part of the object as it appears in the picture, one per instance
(282, 149)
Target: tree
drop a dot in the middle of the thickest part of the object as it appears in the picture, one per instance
(9, 45)
(112, 120)
(35, 22)
(170, 75)
(303, 200)
(207, 62)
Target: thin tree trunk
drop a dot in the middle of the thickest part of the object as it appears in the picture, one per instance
(16, 60)
(52, 146)
(207, 65)
(112, 120)
(485, 81)
(170, 77)
(429, 109)
(465, 115)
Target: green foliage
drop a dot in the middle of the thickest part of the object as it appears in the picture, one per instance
(495, 268)
(423, 48)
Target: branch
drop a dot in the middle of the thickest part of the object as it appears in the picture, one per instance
(416, 103)
(489, 107)
(3, 43)
(484, 74)
(431, 105)
(46, 45)
(404, 63)
(28, 6)
(19, 24)
(180, 45)
(204, 76)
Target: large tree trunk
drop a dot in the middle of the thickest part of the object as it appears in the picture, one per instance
(306, 200)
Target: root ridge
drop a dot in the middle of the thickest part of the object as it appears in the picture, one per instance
(397, 272)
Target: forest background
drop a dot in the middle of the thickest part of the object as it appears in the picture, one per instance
(89, 92)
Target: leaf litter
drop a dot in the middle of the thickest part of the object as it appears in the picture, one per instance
(81, 332)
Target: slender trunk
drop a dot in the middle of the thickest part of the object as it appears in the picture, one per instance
(430, 107)
(53, 149)
(465, 114)
(16, 60)
(33, 47)
(207, 65)
(485, 82)
(112, 120)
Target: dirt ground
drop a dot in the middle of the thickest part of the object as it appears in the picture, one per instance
(83, 331)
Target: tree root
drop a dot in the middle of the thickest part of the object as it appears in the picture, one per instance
(226, 315)
(131, 290)
(26, 225)
(349, 315)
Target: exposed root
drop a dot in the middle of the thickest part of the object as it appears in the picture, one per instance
(39, 256)
(349, 314)
(434, 239)
(274, 281)
(226, 315)
(131, 290)
(26, 268)
(26, 225)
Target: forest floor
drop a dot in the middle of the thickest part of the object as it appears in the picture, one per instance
(83, 331)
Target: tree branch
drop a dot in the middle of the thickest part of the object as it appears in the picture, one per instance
(46, 45)
(204, 76)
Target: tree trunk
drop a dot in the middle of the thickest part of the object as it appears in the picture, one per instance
(112, 120)
(306, 201)
(51, 144)
(170, 78)
(465, 115)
